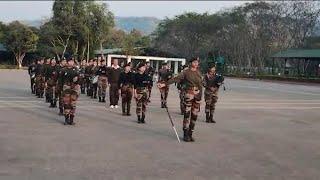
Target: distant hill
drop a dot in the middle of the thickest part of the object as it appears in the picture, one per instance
(144, 24)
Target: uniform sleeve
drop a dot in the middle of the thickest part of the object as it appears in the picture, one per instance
(177, 78)
(205, 82)
(134, 80)
(150, 81)
(29, 70)
(120, 80)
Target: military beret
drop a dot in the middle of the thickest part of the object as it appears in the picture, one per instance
(140, 65)
(193, 59)
(127, 64)
(211, 65)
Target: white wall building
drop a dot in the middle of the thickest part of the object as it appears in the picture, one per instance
(155, 62)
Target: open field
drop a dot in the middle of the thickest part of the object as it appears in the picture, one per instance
(264, 130)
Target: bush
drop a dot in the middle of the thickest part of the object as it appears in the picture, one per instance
(278, 78)
(8, 66)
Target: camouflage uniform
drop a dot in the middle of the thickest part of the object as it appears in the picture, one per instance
(82, 79)
(93, 86)
(210, 95)
(126, 82)
(46, 68)
(70, 94)
(193, 83)
(102, 82)
(59, 87)
(39, 80)
(150, 72)
(31, 72)
(141, 83)
(182, 95)
(52, 85)
(87, 76)
(164, 76)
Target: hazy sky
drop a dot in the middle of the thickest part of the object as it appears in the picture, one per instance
(31, 10)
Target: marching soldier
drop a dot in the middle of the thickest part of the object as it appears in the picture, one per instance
(114, 74)
(31, 72)
(61, 69)
(52, 76)
(71, 91)
(40, 80)
(93, 82)
(182, 92)
(46, 67)
(164, 75)
(141, 83)
(87, 75)
(211, 82)
(149, 72)
(193, 83)
(126, 83)
(102, 81)
(82, 79)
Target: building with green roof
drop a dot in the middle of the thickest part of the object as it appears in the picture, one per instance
(305, 62)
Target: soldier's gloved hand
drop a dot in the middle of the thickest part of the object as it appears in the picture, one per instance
(75, 79)
(119, 91)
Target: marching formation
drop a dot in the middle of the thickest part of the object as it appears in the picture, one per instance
(61, 84)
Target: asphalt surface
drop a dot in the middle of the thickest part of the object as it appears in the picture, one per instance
(264, 130)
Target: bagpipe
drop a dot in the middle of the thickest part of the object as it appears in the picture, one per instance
(217, 81)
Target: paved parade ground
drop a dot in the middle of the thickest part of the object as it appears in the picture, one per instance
(264, 130)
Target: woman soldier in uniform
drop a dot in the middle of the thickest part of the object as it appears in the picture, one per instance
(193, 92)
(141, 83)
(211, 82)
(126, 82)
(71, 91)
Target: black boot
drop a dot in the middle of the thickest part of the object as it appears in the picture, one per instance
(48, 99)
(190, 135)
(66, 119)
(186, 137)
(123, 109)
(51, 104)
(139, 119)
(71, 120)
(54, 103)
(143, 118)
(207, 117)
(211, 118)
(60, 111)
(162, 105)
(128, 109)
(100, 99)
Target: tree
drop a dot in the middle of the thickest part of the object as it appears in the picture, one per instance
(20, 39)
(133, 42)
(245, 35)
(101, 20)
(62, 22)
(2, 31)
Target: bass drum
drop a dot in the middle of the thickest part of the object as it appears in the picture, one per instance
(95, 80)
